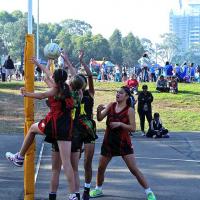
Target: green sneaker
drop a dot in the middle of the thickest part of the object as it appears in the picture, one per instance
(96, 193)
(151, 196)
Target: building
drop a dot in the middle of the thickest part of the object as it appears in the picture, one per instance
(185, 23)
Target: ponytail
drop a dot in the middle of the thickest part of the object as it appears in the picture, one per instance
(131, 100)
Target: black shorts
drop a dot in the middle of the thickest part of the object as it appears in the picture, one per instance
(77, 141)
(56, 129)
(116, 146)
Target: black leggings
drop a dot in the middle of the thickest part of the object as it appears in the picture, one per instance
(159, 134)
(142, 118)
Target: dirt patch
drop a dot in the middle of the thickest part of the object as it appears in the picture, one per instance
(12, 112)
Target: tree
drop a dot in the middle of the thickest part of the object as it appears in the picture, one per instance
(6, 17)
(101, 47)
(115, 42)
(17, 15)
(76, 27)
(94, 47)
(192, 55)
(14, 37)
(169, 47)
(3, 49)
(147, 45)
(132, 50)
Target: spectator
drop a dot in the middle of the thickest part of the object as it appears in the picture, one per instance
(185, 73)
(117, 74)
(124, 74)
(145, 99)
(162, 84)
(156, 128)
(145, 64)
(191, 72)
(3, 73)
(133, 84)
(168, 70)
(177, 71)
(173, 85)
(9, 66)
(197, 74)
(152, 73)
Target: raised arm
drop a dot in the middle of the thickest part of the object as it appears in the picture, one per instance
(88, 72)
(102, 111)
(68, 64)
(44, 69)
(50, 83)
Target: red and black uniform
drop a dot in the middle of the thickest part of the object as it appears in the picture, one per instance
(57, 125)
(117, 142)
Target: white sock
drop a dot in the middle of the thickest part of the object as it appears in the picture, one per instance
(98, 187)
(148, 190)
(72, 195)
(87, 185)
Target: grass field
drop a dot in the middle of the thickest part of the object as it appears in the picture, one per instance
(179, 112)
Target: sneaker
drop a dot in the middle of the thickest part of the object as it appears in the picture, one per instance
(143, 133)
(73, 197)
(151, 196)
(85, 196)
(96, 193)
(15, 159)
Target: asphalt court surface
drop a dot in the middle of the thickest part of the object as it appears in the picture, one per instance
(171, 167)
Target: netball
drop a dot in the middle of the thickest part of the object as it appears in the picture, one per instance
(52, 51)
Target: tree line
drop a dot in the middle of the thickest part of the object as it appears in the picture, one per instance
(73, 35)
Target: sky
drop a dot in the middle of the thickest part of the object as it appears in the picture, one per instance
(144, 18)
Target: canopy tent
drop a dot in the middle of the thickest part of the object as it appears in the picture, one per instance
(96, 63)
(99, 63)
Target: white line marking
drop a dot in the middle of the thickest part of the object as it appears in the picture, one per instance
(38, 162)
(169, 159)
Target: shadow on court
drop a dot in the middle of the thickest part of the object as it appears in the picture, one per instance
(171, 166)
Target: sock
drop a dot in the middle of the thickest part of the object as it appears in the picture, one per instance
(77, 195)
(98, 187)
(86, 190)
(71, 196)
(52, 196)
(148, 190)
(87, 185)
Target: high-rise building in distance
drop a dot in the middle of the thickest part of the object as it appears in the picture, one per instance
(185, 23)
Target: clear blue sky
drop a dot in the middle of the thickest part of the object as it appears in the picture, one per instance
(144, 18)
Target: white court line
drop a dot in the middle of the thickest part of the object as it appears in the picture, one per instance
(169, 159)
(38, 162)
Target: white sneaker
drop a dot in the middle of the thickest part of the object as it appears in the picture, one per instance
(143, 134)
(72, 197)
(15, 159)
